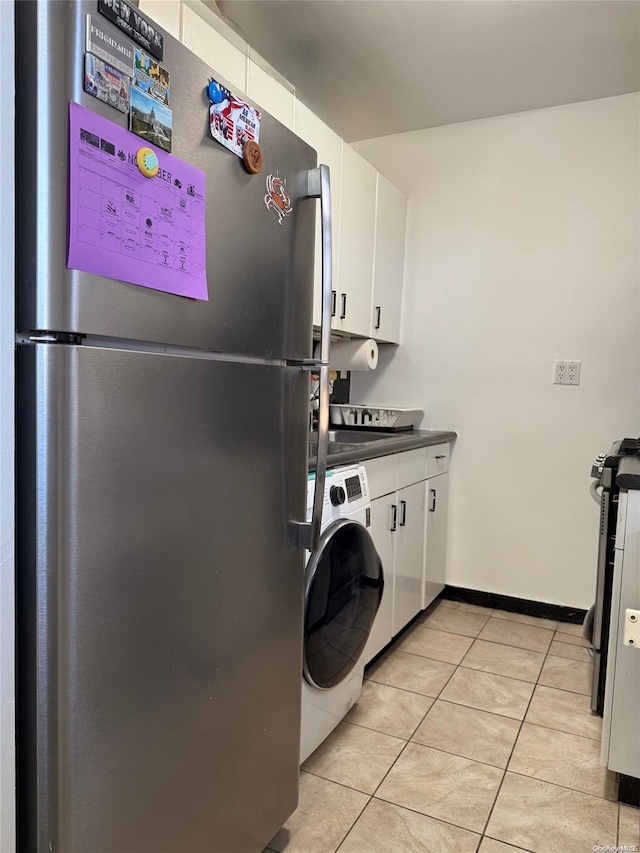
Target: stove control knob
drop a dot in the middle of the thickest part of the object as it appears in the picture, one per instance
(337, 495)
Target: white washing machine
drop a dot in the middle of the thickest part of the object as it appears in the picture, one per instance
(343, 589)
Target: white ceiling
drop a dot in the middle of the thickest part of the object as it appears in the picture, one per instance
(375, 67)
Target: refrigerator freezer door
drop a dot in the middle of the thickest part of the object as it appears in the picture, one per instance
(260, 272)
(160, 600)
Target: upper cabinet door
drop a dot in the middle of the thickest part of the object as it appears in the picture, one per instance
(388, 270)
(355, 253)
(270, 94)
(329, 147)
(214, 49)
(163, 12)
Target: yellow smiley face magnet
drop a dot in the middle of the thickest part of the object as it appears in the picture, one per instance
(147, 162)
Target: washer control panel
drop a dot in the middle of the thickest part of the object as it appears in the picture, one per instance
(353, 487)
(345, 491)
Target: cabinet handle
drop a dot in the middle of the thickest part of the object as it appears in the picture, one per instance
(378, 313)
(403, 517)
(441, 456)
(432, 508)
(394, 518)
(343, 313)
(334, 297)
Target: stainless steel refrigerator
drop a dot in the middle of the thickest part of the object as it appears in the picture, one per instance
(162, 471)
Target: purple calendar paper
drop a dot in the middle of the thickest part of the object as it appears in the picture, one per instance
(146, 231)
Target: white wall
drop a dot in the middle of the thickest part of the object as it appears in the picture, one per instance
(522, 247)
(7, 700)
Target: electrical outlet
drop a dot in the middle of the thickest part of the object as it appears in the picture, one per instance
(559, 372)
(573, 372)
(566, 372)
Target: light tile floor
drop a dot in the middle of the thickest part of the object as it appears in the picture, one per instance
(473, 734)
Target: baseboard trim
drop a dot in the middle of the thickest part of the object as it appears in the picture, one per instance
(628, 790)
(514, 605)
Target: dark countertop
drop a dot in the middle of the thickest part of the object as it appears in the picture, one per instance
(398, 442)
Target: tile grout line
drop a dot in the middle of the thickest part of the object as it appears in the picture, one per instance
(357, 818)
(499, 674)
(538, 684)
(407, 742)
(561, 731)
(564, 787)
(481, 835)
(425, 624)
(506, 769)
(411, 739)
(393, 764)
(456, 667)
(429, 817)
(466, 637)
(342, 785)
(406, 689)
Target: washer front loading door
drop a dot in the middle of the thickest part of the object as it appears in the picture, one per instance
(343, 590)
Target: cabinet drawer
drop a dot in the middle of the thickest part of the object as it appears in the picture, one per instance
(437, 459)
(382, 474)
(411, 466)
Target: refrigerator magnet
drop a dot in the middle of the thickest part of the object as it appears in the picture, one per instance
(148, 163)
(151, 120)
(131, 21)
(277, 198)
(151, 77)
(232, 122)
(109, 46)
(252, 156)
(106, 83)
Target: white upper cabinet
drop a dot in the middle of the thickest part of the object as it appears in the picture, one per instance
(270, 94)
(388, 266)
(214, 49)
(368, 212)
(163, 12)
(329, 147)
(355, 249)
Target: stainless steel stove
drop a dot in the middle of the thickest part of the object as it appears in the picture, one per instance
(606, 491)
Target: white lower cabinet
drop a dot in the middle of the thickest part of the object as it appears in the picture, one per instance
(396, 487)
(409, 564)
(408, 528)
(384, 539)
(437, 493)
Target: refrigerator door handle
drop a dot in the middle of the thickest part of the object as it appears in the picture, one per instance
(319, 187)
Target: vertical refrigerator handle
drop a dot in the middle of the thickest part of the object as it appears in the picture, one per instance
(319, 187)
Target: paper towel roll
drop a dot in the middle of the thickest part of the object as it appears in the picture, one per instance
(354, 355)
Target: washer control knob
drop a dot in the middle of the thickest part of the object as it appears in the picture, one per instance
(337, 495)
